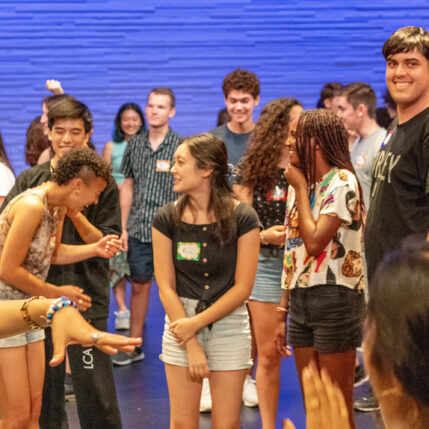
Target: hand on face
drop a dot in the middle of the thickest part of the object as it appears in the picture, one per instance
(295, 177)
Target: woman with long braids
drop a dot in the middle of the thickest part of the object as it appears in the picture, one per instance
(323, 276)
(262, 184)
(206, 247)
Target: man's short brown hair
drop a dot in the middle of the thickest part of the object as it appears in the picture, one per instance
(163, 90)
(361, 93)
(241, 80)
(407, 39)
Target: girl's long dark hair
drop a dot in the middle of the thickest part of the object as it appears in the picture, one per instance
(324, 128)
(259, 163)
(118, 134)
(210, 153)
(3, 155)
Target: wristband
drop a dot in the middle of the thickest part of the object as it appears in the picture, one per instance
(32, 325)
(57, 305)
(282, 309)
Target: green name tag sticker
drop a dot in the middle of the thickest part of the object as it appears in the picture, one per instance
(188, 251)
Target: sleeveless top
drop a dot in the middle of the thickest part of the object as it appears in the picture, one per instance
(117, 155)
(38, 258)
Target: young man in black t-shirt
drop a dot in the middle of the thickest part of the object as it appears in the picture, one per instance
(400, 184)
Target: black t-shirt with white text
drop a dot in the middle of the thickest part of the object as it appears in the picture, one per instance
(400, 186)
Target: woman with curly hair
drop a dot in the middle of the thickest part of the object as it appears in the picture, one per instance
(323, 274)
(30, 240)
(263, 185)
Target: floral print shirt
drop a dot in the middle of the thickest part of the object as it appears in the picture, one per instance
(340, 263)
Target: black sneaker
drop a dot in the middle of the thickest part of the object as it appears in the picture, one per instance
(68, 388)
(360, 376)
(367, 403)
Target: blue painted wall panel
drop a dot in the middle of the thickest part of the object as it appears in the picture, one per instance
(110, 52)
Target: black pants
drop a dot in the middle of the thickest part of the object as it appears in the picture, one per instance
(92, 374)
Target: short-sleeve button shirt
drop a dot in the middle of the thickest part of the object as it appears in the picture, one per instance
(153, 183)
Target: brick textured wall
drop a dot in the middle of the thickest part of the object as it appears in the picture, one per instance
(110, 52)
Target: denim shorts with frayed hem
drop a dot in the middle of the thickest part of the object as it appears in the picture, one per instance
(22, 339)
(227, 345)
(328, 318)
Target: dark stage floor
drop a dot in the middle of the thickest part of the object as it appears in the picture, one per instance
(143, 395)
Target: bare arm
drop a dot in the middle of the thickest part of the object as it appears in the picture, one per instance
(126, 198)
(107, 152)
(106, 247)
(315, 233)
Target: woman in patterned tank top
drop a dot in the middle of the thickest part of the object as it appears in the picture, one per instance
(30, 240)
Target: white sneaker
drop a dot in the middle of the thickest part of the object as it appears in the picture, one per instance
(250, 395)
(122, 320)
(206, 397)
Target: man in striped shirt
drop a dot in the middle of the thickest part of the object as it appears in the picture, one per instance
(148, 185)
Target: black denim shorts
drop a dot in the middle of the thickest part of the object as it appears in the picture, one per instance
(328, 318)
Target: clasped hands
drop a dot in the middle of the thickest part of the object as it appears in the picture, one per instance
(184, 329)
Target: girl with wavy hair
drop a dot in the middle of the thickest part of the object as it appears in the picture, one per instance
(205, 255)
(262, 184)
(323, 276)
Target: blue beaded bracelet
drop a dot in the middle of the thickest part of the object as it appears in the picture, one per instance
(58, 304)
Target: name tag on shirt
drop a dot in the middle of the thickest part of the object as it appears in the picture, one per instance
(277, 194)
(52, 239)
(162, 165)
(187, 251)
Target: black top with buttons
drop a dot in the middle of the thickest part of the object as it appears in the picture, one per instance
(205, 270)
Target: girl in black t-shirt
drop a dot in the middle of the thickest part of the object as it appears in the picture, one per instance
(205, 248)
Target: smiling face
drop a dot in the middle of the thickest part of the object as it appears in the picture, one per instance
(83, 195)
(67, 134)
(186, 175)
(240, 106)
(294, 114)
(291, 143)
(159, 110)
(350, 116)
(130, 123)
(407, 79)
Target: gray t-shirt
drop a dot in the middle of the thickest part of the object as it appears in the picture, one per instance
(362, 155)
(235, 143)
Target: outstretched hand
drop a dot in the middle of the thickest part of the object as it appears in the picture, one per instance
(69, 327)
(108, 246)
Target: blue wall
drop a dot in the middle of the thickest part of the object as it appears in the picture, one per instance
(109, 52)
